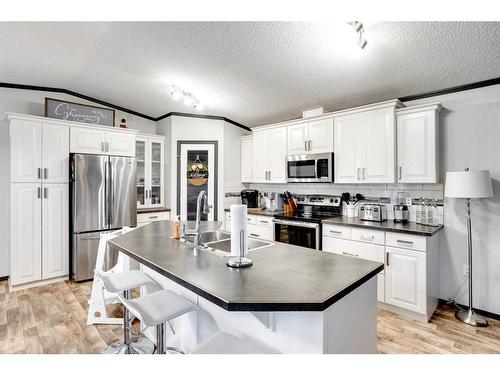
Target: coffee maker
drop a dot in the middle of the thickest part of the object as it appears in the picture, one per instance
(250, 197)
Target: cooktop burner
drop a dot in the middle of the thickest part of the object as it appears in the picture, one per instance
(315, 208)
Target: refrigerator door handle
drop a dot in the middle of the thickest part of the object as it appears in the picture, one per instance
(111, 195)
(106, 191)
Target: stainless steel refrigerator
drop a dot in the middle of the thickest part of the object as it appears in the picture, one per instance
(103, 199)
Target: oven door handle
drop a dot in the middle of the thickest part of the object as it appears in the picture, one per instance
(296, 223)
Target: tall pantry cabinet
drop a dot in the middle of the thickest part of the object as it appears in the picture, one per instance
(39, 227)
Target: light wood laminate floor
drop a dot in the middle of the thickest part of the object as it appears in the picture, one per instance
(52, 319)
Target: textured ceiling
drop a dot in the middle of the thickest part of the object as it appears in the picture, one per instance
(251, 72)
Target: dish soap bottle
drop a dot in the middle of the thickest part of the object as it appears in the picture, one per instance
(176, 232)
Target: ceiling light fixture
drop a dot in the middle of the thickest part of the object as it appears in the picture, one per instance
(360, 30)
(189, 99)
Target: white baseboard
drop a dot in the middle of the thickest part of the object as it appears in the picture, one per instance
(34, 284)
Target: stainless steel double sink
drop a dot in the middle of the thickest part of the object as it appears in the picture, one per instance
(221, 241)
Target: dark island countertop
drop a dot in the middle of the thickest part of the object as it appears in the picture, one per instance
(263, 212)
(388, 225)
(282, 278)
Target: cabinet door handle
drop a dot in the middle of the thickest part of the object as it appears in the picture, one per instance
(400, 172)
(358, 174)
(254, 235)
(107, 147)
(305, 145)
(45, 193)
(363, 170)
(39, 173)
(387, 259)
(45, 173)
(38, 192)
(102, 146)
(337, 232)
(310, 145)
(350, 254)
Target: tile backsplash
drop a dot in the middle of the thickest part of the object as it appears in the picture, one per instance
(388, 192)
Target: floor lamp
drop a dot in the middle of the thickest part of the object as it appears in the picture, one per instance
(469, 184)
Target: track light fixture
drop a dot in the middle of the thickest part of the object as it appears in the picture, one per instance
(359, 29)
(188, 98)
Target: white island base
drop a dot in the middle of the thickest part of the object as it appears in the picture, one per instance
(347, 326)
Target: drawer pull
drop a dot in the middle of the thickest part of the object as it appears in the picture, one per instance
(387, 259)
(153, 217)
(264, 221)
(350, 254)
(254, 235)
(368, 238)
(405, 243)
(335, 232)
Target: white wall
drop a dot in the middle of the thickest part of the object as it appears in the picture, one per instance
(32, 103)
(470, 129)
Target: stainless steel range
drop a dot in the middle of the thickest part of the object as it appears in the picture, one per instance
(304, 228)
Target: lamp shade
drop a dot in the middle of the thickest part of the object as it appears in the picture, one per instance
(468, 184)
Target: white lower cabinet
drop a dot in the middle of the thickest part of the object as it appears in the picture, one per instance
(405, 284)
(55, 222)
(361, 250)
(410, 278)
(258, 226)
(144, 218)
(39, 232)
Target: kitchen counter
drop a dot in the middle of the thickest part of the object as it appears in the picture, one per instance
(263, 212)
(388, 226)
(273, 283)
(151, 210)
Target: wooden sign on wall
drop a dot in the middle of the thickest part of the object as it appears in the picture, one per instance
(69, 111)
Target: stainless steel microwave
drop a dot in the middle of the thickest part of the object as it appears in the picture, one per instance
(309, 168)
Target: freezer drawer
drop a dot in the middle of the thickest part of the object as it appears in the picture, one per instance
(84, 255)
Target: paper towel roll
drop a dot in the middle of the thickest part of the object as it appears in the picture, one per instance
(238, 224)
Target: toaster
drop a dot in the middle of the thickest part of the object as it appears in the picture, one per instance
(373, 212)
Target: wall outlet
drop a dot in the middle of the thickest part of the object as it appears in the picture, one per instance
(408, 201)
(466, 270)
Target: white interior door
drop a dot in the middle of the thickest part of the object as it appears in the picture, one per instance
(55, 240)
(197, 172)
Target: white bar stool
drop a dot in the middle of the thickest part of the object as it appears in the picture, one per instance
(158, 308)
(225, 343)
(122, 284)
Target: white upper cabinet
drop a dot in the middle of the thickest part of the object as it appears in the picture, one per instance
(39, 151)
(418, 138)
(277, 155)
(365, 144)
(150, 156)
(87, 140)
(246, 159)
(55, 223)
(55, 153)
(25, 151)
(298, 136)
(321, 135)
(310, 137)
(269, 153)
(95, 140)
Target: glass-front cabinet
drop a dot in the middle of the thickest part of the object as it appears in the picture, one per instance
(150, 170)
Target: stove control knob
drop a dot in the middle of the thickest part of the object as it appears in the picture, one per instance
(331, 200)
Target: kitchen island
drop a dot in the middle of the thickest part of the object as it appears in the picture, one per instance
(293, 299)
